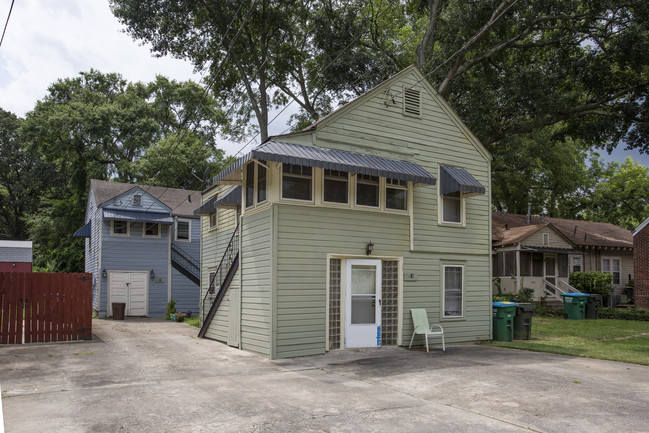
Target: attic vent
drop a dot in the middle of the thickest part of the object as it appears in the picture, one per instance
(137, 200)
(411, 102)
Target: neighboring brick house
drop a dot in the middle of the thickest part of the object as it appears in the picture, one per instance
(641, 265)
(15, 256)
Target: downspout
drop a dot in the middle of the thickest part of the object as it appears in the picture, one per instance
(169, 262)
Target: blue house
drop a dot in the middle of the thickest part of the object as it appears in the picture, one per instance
(142, 248)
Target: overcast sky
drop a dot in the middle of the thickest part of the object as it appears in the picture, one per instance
(48, 40)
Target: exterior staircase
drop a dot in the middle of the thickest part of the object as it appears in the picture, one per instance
(220, 282)
(184, 263)
(553, 293)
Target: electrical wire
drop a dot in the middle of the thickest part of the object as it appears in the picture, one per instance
(7, 22)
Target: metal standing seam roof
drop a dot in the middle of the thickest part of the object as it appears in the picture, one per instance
(333, 159)
(136, 216)
(232, 197)
(455, 179)
(83, 232)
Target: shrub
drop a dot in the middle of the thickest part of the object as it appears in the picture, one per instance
(597, 283)
(629, 292)
(624, 314)
(171, 308)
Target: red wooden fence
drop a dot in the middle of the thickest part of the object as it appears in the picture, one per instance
(45, 307)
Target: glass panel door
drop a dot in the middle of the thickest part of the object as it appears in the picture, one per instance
(363, 312)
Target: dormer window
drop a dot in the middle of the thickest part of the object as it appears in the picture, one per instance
(137, 200)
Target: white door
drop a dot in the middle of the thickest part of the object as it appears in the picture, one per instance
(363, 303)
(128, 288)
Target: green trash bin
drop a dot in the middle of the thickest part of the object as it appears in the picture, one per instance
(523, 321)
(503, 320)
(592, 306)
(574, 305)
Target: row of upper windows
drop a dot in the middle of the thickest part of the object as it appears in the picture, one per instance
(297, 184)
(151, 230)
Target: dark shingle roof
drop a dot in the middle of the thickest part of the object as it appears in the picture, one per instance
(581, 233)
(176, 199)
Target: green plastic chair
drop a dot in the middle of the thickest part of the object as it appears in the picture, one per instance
(420, 320)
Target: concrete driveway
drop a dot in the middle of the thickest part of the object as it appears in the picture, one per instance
(155, 376)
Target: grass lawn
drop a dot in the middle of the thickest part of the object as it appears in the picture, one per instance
(194, 321)
(615, 340)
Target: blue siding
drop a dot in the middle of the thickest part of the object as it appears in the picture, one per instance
(137, 253)
(184, 291)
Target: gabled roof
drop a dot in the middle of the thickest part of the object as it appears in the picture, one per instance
(581, 233)
(642, 225)
(230, 198)
(182, 202)
(333, 159)
(516, 235)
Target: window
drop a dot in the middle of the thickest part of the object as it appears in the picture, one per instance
(211, 283)
(526, 264)
(546, 239)
(261, 182)
(453, 291)
(183, 230)
(151, 230)
(250, 185)
(336, 186)
(137, 200)
(612, 266)
(396, 194)
(510, 263)
(537, 264)
(498, 260)
(563, 265)
(119, 228)
(452, 208)
(213, 220)
(367, 190)
(297, 182)
(576, 263)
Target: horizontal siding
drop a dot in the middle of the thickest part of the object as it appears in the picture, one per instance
(137, 253)
(556, 240)
(256, 282)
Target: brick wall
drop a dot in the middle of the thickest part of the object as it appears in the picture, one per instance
(641, 268)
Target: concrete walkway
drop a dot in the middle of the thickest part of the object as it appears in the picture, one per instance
(155, 376)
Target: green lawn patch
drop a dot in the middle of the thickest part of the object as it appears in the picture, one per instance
(193, 321)
(614, 340)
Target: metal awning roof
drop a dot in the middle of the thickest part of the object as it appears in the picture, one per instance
(333, 159)
(455, 179)
(83, 232)
(137, 216)
(231, 198)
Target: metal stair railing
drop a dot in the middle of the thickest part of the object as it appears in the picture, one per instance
(183, 260)
(220, 281)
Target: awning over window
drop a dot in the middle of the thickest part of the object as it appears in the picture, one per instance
(137, 216)
(83, 232)
(454, 179)
(231, 198)
(330, 159)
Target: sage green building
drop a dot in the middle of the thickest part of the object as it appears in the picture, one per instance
(325, 238)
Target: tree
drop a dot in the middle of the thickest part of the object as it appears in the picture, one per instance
(511, 67)
(100, 126)
(23, 178)
(621, 197)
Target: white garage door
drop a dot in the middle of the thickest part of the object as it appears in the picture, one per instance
(129, 288)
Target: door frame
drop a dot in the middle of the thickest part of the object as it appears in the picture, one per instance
(109, 304)
(555, 257)
(371, 329)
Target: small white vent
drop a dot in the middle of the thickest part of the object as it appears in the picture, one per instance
(137, 200)
(411, 102)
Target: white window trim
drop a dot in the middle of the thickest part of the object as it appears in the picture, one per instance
(385, 196)
(144, 235)
(120, 235)
(571, 258)
(611, 258)
(546, 239)
(189, 231)
(334, 203)
(381, 194)
(440, 205)
(216, 220)
(443, 303)
(281, 186)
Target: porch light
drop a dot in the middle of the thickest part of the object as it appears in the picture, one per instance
(103, 273)
(152, 274)
(369, 249)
